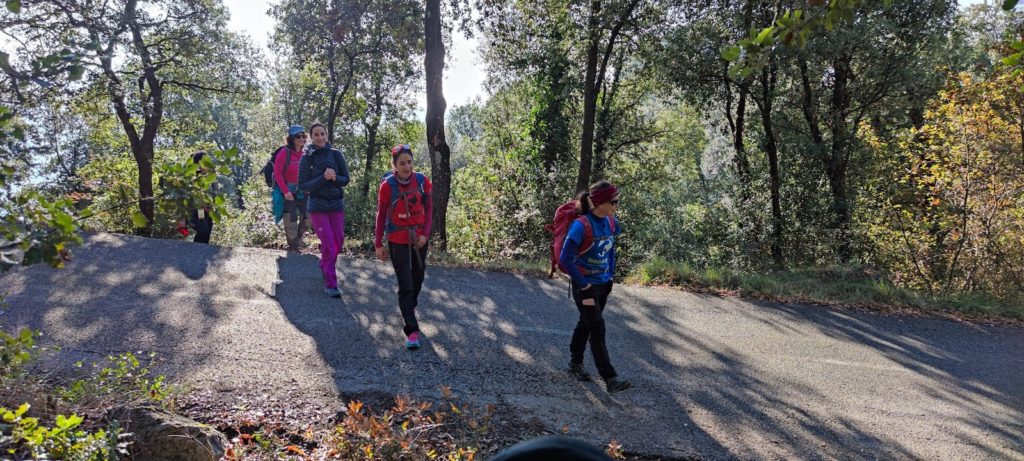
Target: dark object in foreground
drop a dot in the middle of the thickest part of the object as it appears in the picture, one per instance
(551, 448)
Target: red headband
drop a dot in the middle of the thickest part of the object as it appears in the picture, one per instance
(602, 196)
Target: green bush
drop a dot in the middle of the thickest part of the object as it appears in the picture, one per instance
(254, 226)
(123, 379)
(15, 350)
(27, 438)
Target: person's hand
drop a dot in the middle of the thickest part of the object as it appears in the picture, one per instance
(421, 241)
(288, 196)
(329, 174)
(382, 253)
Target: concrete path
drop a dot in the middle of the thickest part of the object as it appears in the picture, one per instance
(714, 378)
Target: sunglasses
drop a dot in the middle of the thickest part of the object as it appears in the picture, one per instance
(300, 136)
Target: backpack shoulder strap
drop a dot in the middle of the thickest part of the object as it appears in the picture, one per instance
(287, 158)
(420, 179)
(393, 183)
(588, 234)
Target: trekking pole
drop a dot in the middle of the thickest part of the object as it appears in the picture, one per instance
(412, 247)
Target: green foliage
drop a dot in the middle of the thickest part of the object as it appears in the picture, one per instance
(847, 286)
(253, 226)
(23, 436)
(32, 228)
(26, 437)
(509, 183)
(945, 214)
(795, 27)
(16, 350)
(124, 378)
(792, 28)
(185, 185)
(182, 185)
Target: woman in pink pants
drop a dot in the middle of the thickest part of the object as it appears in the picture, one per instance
(323, 174)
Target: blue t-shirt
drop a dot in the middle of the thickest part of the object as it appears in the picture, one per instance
(597, 264)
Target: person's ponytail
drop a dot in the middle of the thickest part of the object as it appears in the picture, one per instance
(583, 202)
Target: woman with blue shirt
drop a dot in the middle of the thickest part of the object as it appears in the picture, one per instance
(589, 257)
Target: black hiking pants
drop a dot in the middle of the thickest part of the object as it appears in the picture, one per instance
(410, 265)
(590, 327)
(203, 227)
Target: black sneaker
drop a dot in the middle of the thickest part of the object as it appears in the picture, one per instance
(617, 384)
(577, 370)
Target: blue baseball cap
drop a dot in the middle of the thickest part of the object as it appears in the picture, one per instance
(295, 129)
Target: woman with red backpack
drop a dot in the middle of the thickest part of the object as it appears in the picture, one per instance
(588, 256)
(404, 214)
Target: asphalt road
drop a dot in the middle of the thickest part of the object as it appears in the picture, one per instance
(714, 378)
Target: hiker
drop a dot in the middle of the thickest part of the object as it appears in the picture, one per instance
(404, 213)
(199, 218)
(289, 201)
(591, 270)
(323, 174)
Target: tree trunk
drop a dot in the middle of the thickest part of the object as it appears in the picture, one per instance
(741, 161)
(371, 152)
(338, 90)
(152, 114)
(440, 154)
(589, 99)
(144, 160)
(768, 78)
(605, 122)
(593, 81)
(372, 128)
(837, 164)
(739, 147)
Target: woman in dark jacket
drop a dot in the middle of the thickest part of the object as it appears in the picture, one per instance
(323, 174)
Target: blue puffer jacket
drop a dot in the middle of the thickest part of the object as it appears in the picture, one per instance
(323, 195)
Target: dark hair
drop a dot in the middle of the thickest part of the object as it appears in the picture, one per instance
(290, 141)
(198, 156)
(583, 199)
(317, 124)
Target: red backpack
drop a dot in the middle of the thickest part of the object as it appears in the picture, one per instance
(559, 228)
(406, 209)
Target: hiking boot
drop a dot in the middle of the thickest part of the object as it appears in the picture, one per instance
(616, 384)
(332, 292)
(577, 371)
(413, 342)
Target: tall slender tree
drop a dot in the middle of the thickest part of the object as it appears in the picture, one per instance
(440, 154)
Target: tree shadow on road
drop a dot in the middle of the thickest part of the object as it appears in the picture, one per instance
(489, 338)
(715, 378)
(112, 297)
(760, 401)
